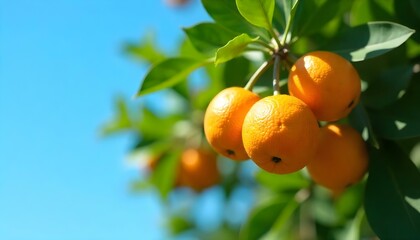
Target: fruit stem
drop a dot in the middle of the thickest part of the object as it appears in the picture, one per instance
(276, 74)
(254, 78)
(276, 37)
(266, 45)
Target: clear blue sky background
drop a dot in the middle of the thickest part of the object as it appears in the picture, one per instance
(61, 65)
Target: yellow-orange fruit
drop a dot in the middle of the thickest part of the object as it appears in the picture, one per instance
(223, 121)
(341, 158)
(327, 83)
(198, 169)
(280, 134)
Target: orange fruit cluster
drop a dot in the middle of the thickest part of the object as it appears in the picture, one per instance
(280, 133)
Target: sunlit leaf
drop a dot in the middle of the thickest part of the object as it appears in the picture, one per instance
(168, 73)
(257, 12)
(392, 194)
(208, 37)
(225, 13)
(233, 48)
(370, 40)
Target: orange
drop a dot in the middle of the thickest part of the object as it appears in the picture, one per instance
(327, 83)
(198, 169)
(341, 159)
(280, 134)
(223, 121)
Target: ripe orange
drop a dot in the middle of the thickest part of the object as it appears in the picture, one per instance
(327, 83)
(341, 159)
(198, 169)
(280, 134)
(223, 121)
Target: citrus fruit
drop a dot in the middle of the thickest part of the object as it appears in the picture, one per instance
(223, 121)
(327, 83)
(341, 159)
(280, 134)
(198, 169)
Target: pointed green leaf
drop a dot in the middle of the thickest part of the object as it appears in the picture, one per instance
(163, 177)
(168, 73)
(392, 194)
(225, 13)
(257, 12)
(262, 217)
(146, 50)
(370, 40)
(233, 48)
(122, 120)
(282, 222)
(208, 37)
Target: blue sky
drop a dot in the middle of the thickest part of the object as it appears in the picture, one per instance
(61, 66)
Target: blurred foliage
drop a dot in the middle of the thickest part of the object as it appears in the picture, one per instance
(376, 35)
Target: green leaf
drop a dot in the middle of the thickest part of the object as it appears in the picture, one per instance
(389, 87)
(208, 37)
(145, 50)
(282, 222)
(149, 120)
(163, 177)
(168, 73)
(393, 194)
(257, 12)
(312, 16)
(236, 71)
(360, 120)
(122, 120)
(262, 218)
(282, 183)
(233, 48)
(290, 7)
(352, 229)
(178, 224)
(370, 40)
(401, 119)
(225, 13)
